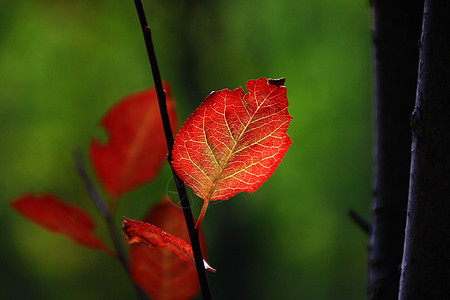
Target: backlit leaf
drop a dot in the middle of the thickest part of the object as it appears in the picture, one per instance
(136, 148)
(51, 213)
(160, 271)
(233, 142)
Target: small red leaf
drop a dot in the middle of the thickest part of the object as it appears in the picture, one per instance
(137, 147)
(233, 142)
(152, 236)
(160, 271)
(54, 215)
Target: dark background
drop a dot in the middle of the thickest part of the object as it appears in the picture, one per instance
(64, 63)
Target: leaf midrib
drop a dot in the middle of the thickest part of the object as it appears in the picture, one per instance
(236, 141)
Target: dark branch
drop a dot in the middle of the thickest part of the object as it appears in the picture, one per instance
(396, 31)
(193, 233)
(156, 77)
(426, 257)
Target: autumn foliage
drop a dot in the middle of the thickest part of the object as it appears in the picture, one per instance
(53, 214)
(232, 143)
(158, 269)
(136, 148)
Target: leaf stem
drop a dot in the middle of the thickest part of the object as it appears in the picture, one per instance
(202, 215)
(107, 216)
(193, 232)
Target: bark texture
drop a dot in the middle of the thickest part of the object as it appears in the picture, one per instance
(396, 34)
(426, 259)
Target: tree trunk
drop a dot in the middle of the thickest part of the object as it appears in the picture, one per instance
(396, 33)
(426, 258)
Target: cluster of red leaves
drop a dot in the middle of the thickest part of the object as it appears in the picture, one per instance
(232, 143)
(133, 155)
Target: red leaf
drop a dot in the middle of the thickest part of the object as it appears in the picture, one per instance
(152, 236)
(159, 271)
(233, 142)
(53, 214)
(137, 146)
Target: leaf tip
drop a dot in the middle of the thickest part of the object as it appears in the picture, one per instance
(278, 81)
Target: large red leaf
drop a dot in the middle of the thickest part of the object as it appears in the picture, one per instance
(233, 142)
(136, 148)
(160, 271)
(54, 215)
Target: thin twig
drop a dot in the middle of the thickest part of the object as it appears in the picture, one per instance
(193, 232)
(360, 221)
(108, 217)
(99, 203)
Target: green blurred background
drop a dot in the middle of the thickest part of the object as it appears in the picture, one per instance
(64, 63)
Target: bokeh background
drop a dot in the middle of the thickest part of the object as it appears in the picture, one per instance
(64, 63)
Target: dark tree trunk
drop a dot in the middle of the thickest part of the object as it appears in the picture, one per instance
(426, 259)
(396, 34)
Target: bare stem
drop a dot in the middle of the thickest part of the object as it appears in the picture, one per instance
(193, 232)
(107, 216)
